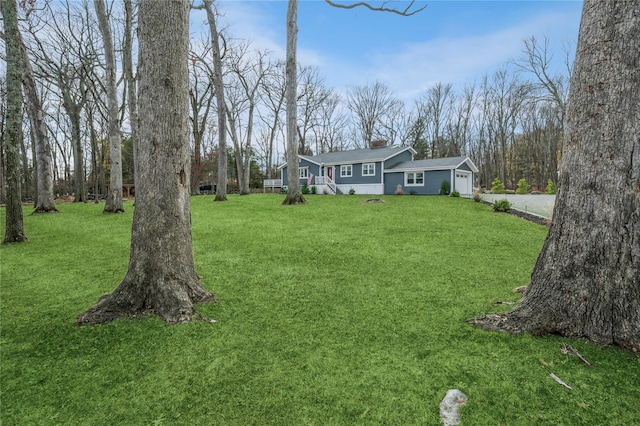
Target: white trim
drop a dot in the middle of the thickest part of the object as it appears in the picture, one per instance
(345, 175)
(300, 172)
(368, 168)
(415, 178)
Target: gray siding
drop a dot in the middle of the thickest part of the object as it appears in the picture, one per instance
(313, 168)
(400, 158)
(432, 181)
(356, 175)
(465, 166)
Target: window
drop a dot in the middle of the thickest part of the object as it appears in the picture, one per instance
(346, 170)
(368, 169)
(304, 172)
(414, 178)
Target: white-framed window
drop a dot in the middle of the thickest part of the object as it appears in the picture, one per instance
(303, 172)
(368, 169)
(414, 178)
(346, 170)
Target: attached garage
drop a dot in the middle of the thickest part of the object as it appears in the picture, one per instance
(463, 182)
(425, 177)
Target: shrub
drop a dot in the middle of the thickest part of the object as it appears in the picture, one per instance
(455, 194)
(523, 187)
(551, 188)
(476, 196)
(497, 187)
(444, 187)
(305, 188)
(352, 191)
(314, 189)
(501, 205)
(399, 190)
(412, 192)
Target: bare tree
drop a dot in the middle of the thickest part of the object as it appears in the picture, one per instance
(218, 84)
(201, 97)
(45, 202)
(273, 93)
(436, 108)
(311, 95)
(161, 277)
(114, 197)
(371, 105)
(67, 58)
(294, 191)
(14, 224)
(248, 69)
(586, 282)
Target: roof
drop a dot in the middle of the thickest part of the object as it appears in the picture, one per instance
(434, 164)
(358, 155)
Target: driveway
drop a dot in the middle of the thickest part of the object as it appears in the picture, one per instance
(539, 204)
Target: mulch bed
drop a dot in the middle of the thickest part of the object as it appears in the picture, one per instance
(527, 216)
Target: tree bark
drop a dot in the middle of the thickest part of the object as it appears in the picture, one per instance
(14, 223)
(586, 282)
(127, 69)
(113, 203)
(161, 277)
(45, 201)
(294, 193)
(218, 84)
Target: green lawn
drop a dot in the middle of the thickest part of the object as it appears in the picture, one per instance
(330, 313)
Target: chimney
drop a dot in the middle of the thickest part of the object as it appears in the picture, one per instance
(379, 143)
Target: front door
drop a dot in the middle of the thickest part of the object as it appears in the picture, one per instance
(330, 172)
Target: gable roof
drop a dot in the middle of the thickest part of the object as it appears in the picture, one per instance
(434, 164)
(358, 155)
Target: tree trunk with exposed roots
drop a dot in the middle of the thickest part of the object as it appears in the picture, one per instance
(161, 278)
(586, 282)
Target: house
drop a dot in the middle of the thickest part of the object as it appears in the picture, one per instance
(380, 171)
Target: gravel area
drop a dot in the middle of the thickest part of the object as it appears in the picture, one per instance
(539, 204)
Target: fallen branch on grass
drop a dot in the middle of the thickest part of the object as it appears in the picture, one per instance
(567, 349)
(557, 379)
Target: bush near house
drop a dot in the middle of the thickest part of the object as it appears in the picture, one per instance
(551, 187)
(497, 187)
(501, 206)
(444, 187)
(523, 187)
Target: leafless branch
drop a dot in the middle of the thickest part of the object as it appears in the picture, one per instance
(382, 8)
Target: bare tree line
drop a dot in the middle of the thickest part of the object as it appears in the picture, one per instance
(83, 63)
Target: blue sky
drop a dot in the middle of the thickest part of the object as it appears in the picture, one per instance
(450, 41)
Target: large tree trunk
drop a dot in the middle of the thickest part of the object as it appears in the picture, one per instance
(44, 198)
(114, 196)
(14, 225)
(586, 282)
(294, 193)
(161, 276)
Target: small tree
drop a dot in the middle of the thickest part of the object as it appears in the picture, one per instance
(497, 187)
(444, 187)
(551, 187)
(523, 187)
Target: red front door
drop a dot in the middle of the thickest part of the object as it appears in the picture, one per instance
(330, 173)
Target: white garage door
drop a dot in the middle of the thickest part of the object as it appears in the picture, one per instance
(463, 182)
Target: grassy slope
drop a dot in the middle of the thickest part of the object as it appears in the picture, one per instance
(334, 312)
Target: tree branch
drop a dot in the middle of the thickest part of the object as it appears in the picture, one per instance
(402, 12)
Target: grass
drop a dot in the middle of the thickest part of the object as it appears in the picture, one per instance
(331, 313)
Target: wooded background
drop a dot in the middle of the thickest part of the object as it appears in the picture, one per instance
(510, 122)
